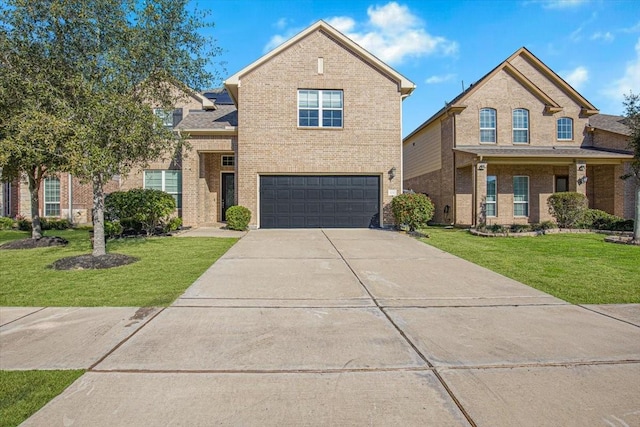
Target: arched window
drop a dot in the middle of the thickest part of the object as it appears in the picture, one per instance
(488, 125)
(520, 123)
(565, 128)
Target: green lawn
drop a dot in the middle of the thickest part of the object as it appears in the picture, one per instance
(22, 393)
(578, 268)
(167, 266)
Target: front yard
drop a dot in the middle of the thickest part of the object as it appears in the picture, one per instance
(578, 268)
(167, 266)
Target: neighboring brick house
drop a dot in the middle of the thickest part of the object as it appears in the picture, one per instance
(498, 150)
(309, 135)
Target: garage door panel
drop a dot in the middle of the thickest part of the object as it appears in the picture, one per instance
(319, 201)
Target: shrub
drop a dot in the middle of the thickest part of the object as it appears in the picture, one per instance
(520, 228)
(173, 224)
(567, 208)
(113, 229)
(6, 223)
(600, 220)
(412, 209)
(55, 223)
(238, 218)
(544, 225)
(140, 210)
(23, 223)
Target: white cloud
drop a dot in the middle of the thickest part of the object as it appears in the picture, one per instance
(634, 29)
(392, 33)
(606, 37)
(562, 4)
(278, 39)
(630, 81)
(440, 79)
(281, 23)
(576, 77)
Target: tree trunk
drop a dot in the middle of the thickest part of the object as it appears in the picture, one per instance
(34, 191)
(99, 245)
(636, 224)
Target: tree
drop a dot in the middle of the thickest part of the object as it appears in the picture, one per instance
(120, 56)
(35, 122)
(632, 114)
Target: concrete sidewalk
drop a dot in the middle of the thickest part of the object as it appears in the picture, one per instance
(356, 327)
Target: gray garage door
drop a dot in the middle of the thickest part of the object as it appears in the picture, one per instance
(319, 201)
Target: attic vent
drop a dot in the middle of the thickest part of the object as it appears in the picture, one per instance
(320, 65)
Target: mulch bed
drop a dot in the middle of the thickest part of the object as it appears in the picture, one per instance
(43, 242)
(90, 262)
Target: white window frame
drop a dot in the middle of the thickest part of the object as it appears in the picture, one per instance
(570, 121)
(48, 204)
(321, 108)
(520, 129)
(228, 160)
(521, 202)
(166, 116)
(492, 129)
(176, 195)
(494, 202)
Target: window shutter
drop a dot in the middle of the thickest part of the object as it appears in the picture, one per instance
(177, 116)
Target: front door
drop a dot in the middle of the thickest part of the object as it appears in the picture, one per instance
(228, 193)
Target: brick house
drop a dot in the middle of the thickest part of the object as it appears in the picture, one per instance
(498, 150)
(309, 135)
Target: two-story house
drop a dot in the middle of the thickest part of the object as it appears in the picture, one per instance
(498, 150)
(299, 137)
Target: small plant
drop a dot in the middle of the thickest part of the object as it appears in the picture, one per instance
(543, 226)
(496, 228)
(173, 224)
(519, 228)
(6, 223)
(55, 223)
(567, 208)
(414, 210)
(238, 218)
(23, 223)
(113, 229)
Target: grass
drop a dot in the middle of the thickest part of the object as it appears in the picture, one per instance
(166, 268)
(578, 268)
(22, 393)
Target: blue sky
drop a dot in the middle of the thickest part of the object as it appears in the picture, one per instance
(593, 44)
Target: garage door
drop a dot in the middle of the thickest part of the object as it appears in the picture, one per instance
(319, 201)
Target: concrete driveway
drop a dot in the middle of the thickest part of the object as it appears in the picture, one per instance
(361, 327)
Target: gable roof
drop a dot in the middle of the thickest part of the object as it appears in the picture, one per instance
(457, 104)
(405, 86)
(609, 123)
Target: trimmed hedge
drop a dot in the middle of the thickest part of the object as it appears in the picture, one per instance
(596, 219)
(46, 224)
(140, 210)
(567, 208)
(412, 209)
(238, 218)
(6, 223)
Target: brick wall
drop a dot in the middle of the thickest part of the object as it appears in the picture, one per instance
(271, 142)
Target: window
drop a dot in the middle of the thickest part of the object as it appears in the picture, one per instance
(562, 184)
(165, 115)
(51, 197)
(520, 196)
(320, 108)
(169, 181)
(491, 207)
(565, 128)
(488, 125)
(520, 126)
(228, 160)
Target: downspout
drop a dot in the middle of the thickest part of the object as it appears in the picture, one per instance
(70, 184)
(453, 202)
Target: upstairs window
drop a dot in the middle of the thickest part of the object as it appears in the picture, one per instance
(488, 125)
(228, 160)
(565, 129)
(520, 126)
(166, 116)
(320, 108)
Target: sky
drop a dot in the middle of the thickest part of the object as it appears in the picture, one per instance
(443, 46)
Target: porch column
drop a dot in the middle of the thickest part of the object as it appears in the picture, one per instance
(618, 190)
(578, 177)
(480, 193)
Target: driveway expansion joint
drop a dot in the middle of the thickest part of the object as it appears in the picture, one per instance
(453, 397)
(539, 365)
(265, 371)
(608, 315)
(22, 317)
